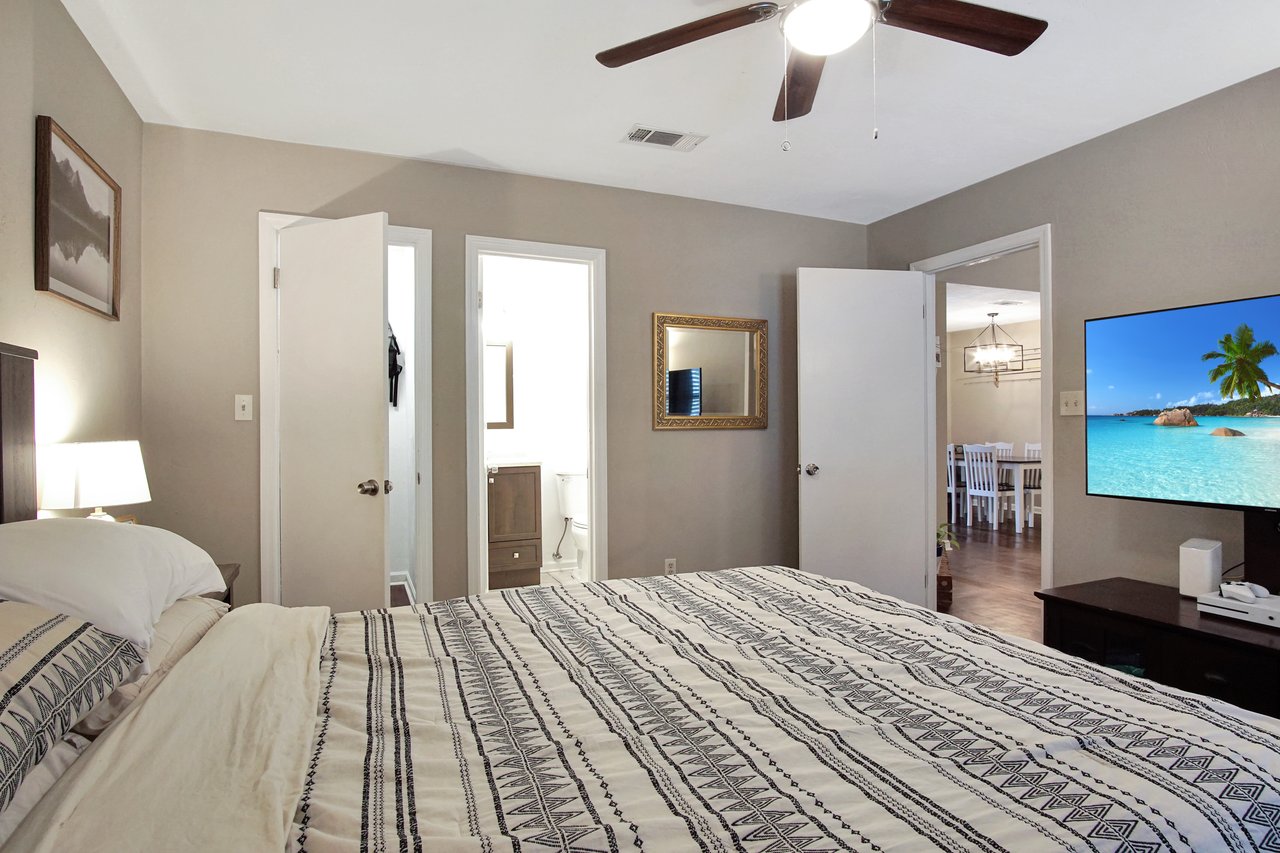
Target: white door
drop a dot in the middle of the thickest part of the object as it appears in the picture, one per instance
(866, 401)
(333, 413)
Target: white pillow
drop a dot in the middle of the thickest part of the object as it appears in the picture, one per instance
(179, 629)
(120, 577)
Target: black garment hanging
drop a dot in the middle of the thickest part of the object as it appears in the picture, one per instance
(395, 366)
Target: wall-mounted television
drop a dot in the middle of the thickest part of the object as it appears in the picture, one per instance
(1183, 406)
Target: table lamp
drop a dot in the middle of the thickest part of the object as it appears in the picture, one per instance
(92, 474)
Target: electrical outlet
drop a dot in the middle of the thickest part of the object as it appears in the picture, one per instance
(244, 407)
(669, 566)
(1071, 403)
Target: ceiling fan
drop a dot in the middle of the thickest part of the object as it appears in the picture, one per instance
(816, 29)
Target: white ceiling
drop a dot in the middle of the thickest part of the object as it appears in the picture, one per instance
(968, 306)
(514, 86)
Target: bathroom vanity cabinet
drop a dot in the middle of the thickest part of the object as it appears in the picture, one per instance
(515, 526)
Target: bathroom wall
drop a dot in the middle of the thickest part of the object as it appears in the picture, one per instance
(400, 421)
(541, 307)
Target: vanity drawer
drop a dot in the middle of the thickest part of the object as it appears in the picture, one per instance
(514, 578)
(508, 556)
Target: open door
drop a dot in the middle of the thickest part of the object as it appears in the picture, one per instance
(866, 416)
(333, 413)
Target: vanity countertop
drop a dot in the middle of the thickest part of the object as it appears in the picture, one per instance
(510, 463)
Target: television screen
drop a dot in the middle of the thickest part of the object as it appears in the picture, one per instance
(684, 391)
(1183, 405)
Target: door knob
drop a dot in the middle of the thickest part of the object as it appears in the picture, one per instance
(386, 486)
(811, 469)
(368, 487)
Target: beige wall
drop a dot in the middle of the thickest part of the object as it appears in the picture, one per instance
(978, 410)
(710, 499)
(1181, 208)
(88, 375)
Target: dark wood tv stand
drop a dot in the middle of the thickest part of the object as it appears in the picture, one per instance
(1151, 630)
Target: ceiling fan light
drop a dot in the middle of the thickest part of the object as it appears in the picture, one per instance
(824, 27)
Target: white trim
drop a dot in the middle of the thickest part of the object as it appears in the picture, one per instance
(931, 441)
(422, 585)
(1041, 238)
(477, 494)
(269, 227)
(406, 579)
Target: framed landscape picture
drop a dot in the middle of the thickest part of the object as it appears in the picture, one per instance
(77, 245)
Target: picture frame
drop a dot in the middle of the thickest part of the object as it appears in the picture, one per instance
(77, 224)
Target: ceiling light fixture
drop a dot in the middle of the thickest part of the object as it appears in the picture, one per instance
(993, 356)
(824, 27)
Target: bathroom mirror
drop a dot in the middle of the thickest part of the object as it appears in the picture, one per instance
(499, 391)
(710, 372)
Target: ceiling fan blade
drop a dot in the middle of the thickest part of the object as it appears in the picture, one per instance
(682, 35)
(966, 23)
(800, 87)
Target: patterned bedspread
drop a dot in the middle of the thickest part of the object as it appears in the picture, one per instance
(758, 709)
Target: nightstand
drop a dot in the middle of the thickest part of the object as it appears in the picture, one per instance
(230, 571)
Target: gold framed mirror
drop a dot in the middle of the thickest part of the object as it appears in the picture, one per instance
(710, 372)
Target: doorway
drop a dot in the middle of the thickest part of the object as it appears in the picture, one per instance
(535, 414)
(343, 503)
(1003, 545)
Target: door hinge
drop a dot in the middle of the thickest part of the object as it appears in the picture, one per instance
(480, 298)
(275, 278)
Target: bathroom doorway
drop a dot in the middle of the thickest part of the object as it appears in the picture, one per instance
(536, 409)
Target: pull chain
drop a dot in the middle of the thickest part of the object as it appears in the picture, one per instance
(786, 85)
(875, 105)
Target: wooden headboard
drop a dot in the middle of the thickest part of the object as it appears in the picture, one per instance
(17, 433)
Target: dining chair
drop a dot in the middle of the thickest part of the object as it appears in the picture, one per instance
(1004, 450)
(982, 482)
(955, 485)
(1031, 485)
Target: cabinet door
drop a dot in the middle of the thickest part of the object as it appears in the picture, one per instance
(515, 504)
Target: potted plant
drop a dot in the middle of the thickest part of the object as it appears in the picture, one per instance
(947, 541)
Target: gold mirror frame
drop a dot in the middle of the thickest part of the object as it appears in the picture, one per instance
(759, 330)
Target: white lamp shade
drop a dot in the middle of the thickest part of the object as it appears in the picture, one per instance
(92, 474)
(824, 27)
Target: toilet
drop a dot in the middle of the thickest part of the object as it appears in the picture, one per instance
(574, 503)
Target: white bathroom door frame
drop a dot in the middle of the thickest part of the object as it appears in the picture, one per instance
(1040, 239)
(269, 227)
(597, 479)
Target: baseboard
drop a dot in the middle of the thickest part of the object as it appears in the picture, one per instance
(405, 579)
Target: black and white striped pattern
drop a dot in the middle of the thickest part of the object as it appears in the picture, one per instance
(758, 709)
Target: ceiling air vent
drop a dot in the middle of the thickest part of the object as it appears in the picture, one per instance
(663, 138)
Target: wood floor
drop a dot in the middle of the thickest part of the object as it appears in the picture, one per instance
(995, 576)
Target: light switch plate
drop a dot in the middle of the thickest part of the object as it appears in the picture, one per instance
(244, 407)
(1071, 403)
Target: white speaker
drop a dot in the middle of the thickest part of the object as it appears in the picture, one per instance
(1200, 567)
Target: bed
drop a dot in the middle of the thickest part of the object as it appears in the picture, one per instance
(759, 708)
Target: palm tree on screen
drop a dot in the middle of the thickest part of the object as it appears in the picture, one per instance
(1240, 371)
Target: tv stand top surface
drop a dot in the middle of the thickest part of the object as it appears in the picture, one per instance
(1159, 605)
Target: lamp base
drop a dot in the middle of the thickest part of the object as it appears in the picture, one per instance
(99, 515)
